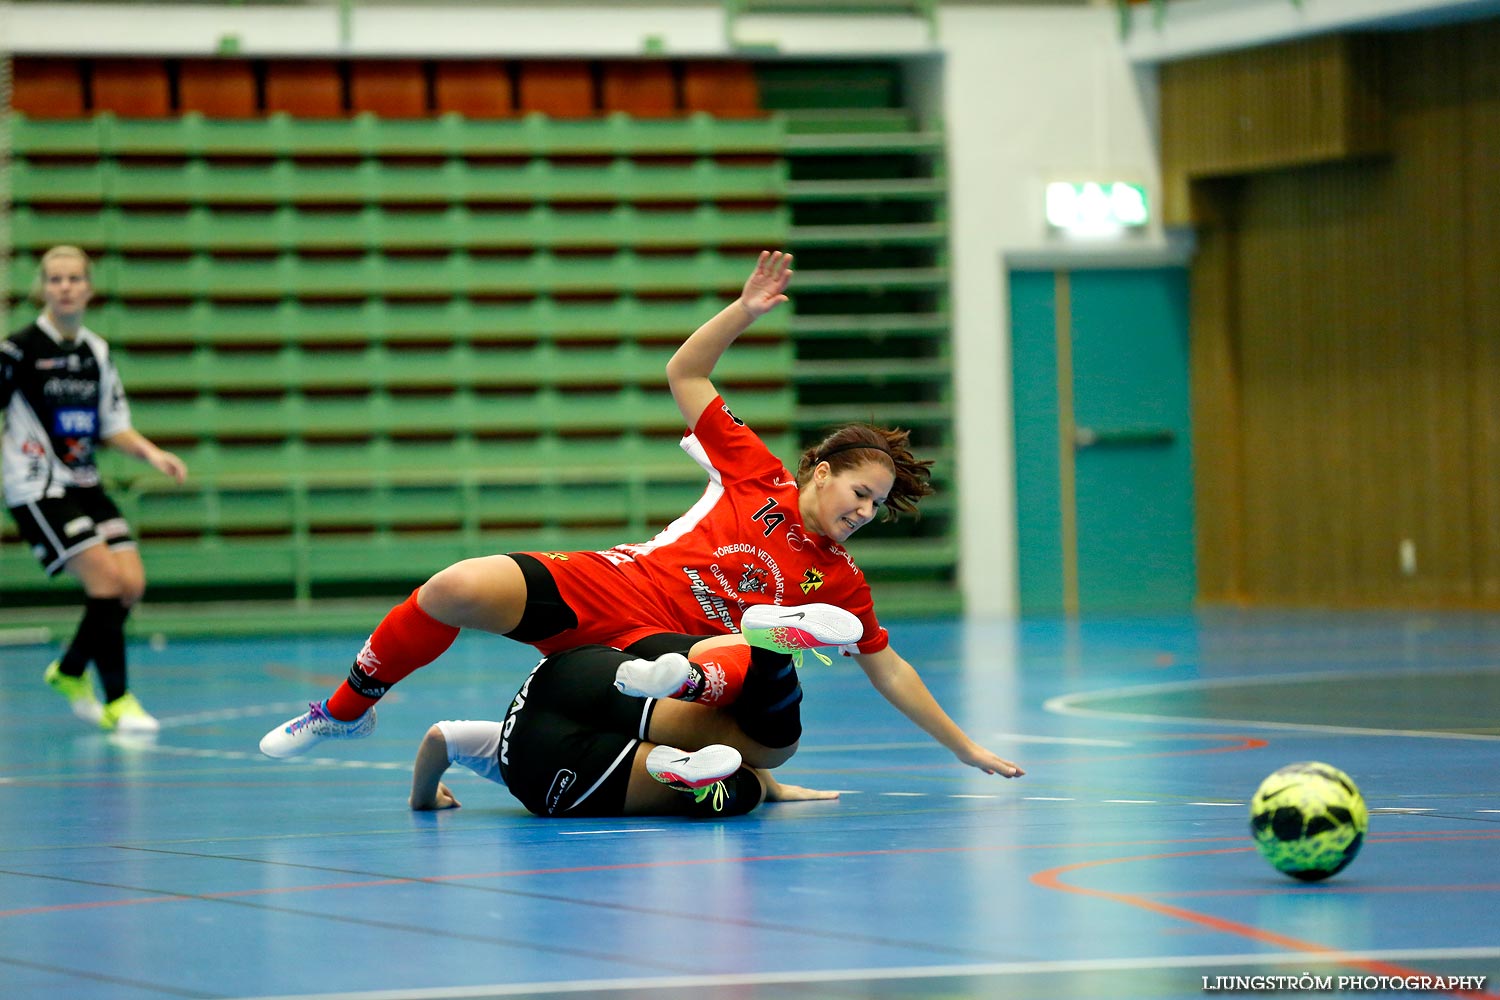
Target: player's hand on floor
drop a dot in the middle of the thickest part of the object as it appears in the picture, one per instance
(778, 792)
(443, 798)
(990, 763)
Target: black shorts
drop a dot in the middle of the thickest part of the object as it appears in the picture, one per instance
(559, 765)
(58, 528)
(546, 613)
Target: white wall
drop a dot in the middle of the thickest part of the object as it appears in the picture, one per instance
(1031, 94)
(1203, 27)
(322, 29)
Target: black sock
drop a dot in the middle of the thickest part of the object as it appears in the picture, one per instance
(741, 793)
(769, 708)
(75, 660)
(108, 621)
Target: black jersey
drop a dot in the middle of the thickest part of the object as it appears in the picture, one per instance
(60, 398)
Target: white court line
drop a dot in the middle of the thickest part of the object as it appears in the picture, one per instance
(256, 755)
(1063, 966)
(1071, 704)
(598, 833)
(1402, 809)
(24, 636)
(245, 712)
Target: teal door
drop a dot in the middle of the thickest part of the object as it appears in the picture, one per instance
(1103, 449)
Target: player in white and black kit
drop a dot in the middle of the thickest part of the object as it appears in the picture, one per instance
(597, 731)
(61, 398)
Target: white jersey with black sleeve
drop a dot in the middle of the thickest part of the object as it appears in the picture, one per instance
(60, 398)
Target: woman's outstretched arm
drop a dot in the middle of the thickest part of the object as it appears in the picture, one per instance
(689, 370)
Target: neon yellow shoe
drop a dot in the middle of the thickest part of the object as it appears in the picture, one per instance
(78, 690)
(125, 715)
(712, 797)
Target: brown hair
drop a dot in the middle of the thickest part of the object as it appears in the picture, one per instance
(61, 250)
(854, 445)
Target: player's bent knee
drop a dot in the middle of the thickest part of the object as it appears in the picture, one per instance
(768, 757)
(104, 584)
(476, 593)
(776, 730)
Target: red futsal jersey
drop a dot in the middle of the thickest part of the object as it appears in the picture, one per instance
(742, 543)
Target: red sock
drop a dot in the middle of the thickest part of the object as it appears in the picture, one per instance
(406, 639)
(724, 671)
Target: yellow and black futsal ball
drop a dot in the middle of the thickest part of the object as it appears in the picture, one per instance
(1308, 820)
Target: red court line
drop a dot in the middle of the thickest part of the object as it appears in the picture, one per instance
(578, 869)
(189, 782)
(1239, 743)
(1351, 890)
(691, 862)
(1051, 878)
(191, 897)
(1334, 890)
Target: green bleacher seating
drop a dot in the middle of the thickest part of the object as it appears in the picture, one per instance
(196, 182)
(148, 325)
(458, 366)
(373, 274)
(383, 344)
(867, 194)
(284, 228)
(278, 136)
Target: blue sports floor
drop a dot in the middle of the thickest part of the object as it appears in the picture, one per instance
(1119, 867)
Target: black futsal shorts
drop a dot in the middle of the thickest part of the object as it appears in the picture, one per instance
(58, 528)
(567, 752)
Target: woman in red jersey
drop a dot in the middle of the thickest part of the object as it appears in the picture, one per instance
(752, 555)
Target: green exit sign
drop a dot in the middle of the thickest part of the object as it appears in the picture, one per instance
(1096, 206)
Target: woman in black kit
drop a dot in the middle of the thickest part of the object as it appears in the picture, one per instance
(582, 738)
(61, 397)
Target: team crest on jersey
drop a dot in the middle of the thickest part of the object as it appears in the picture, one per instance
(740, 574)
(752, 581)
(556, 556)
(811, 581)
